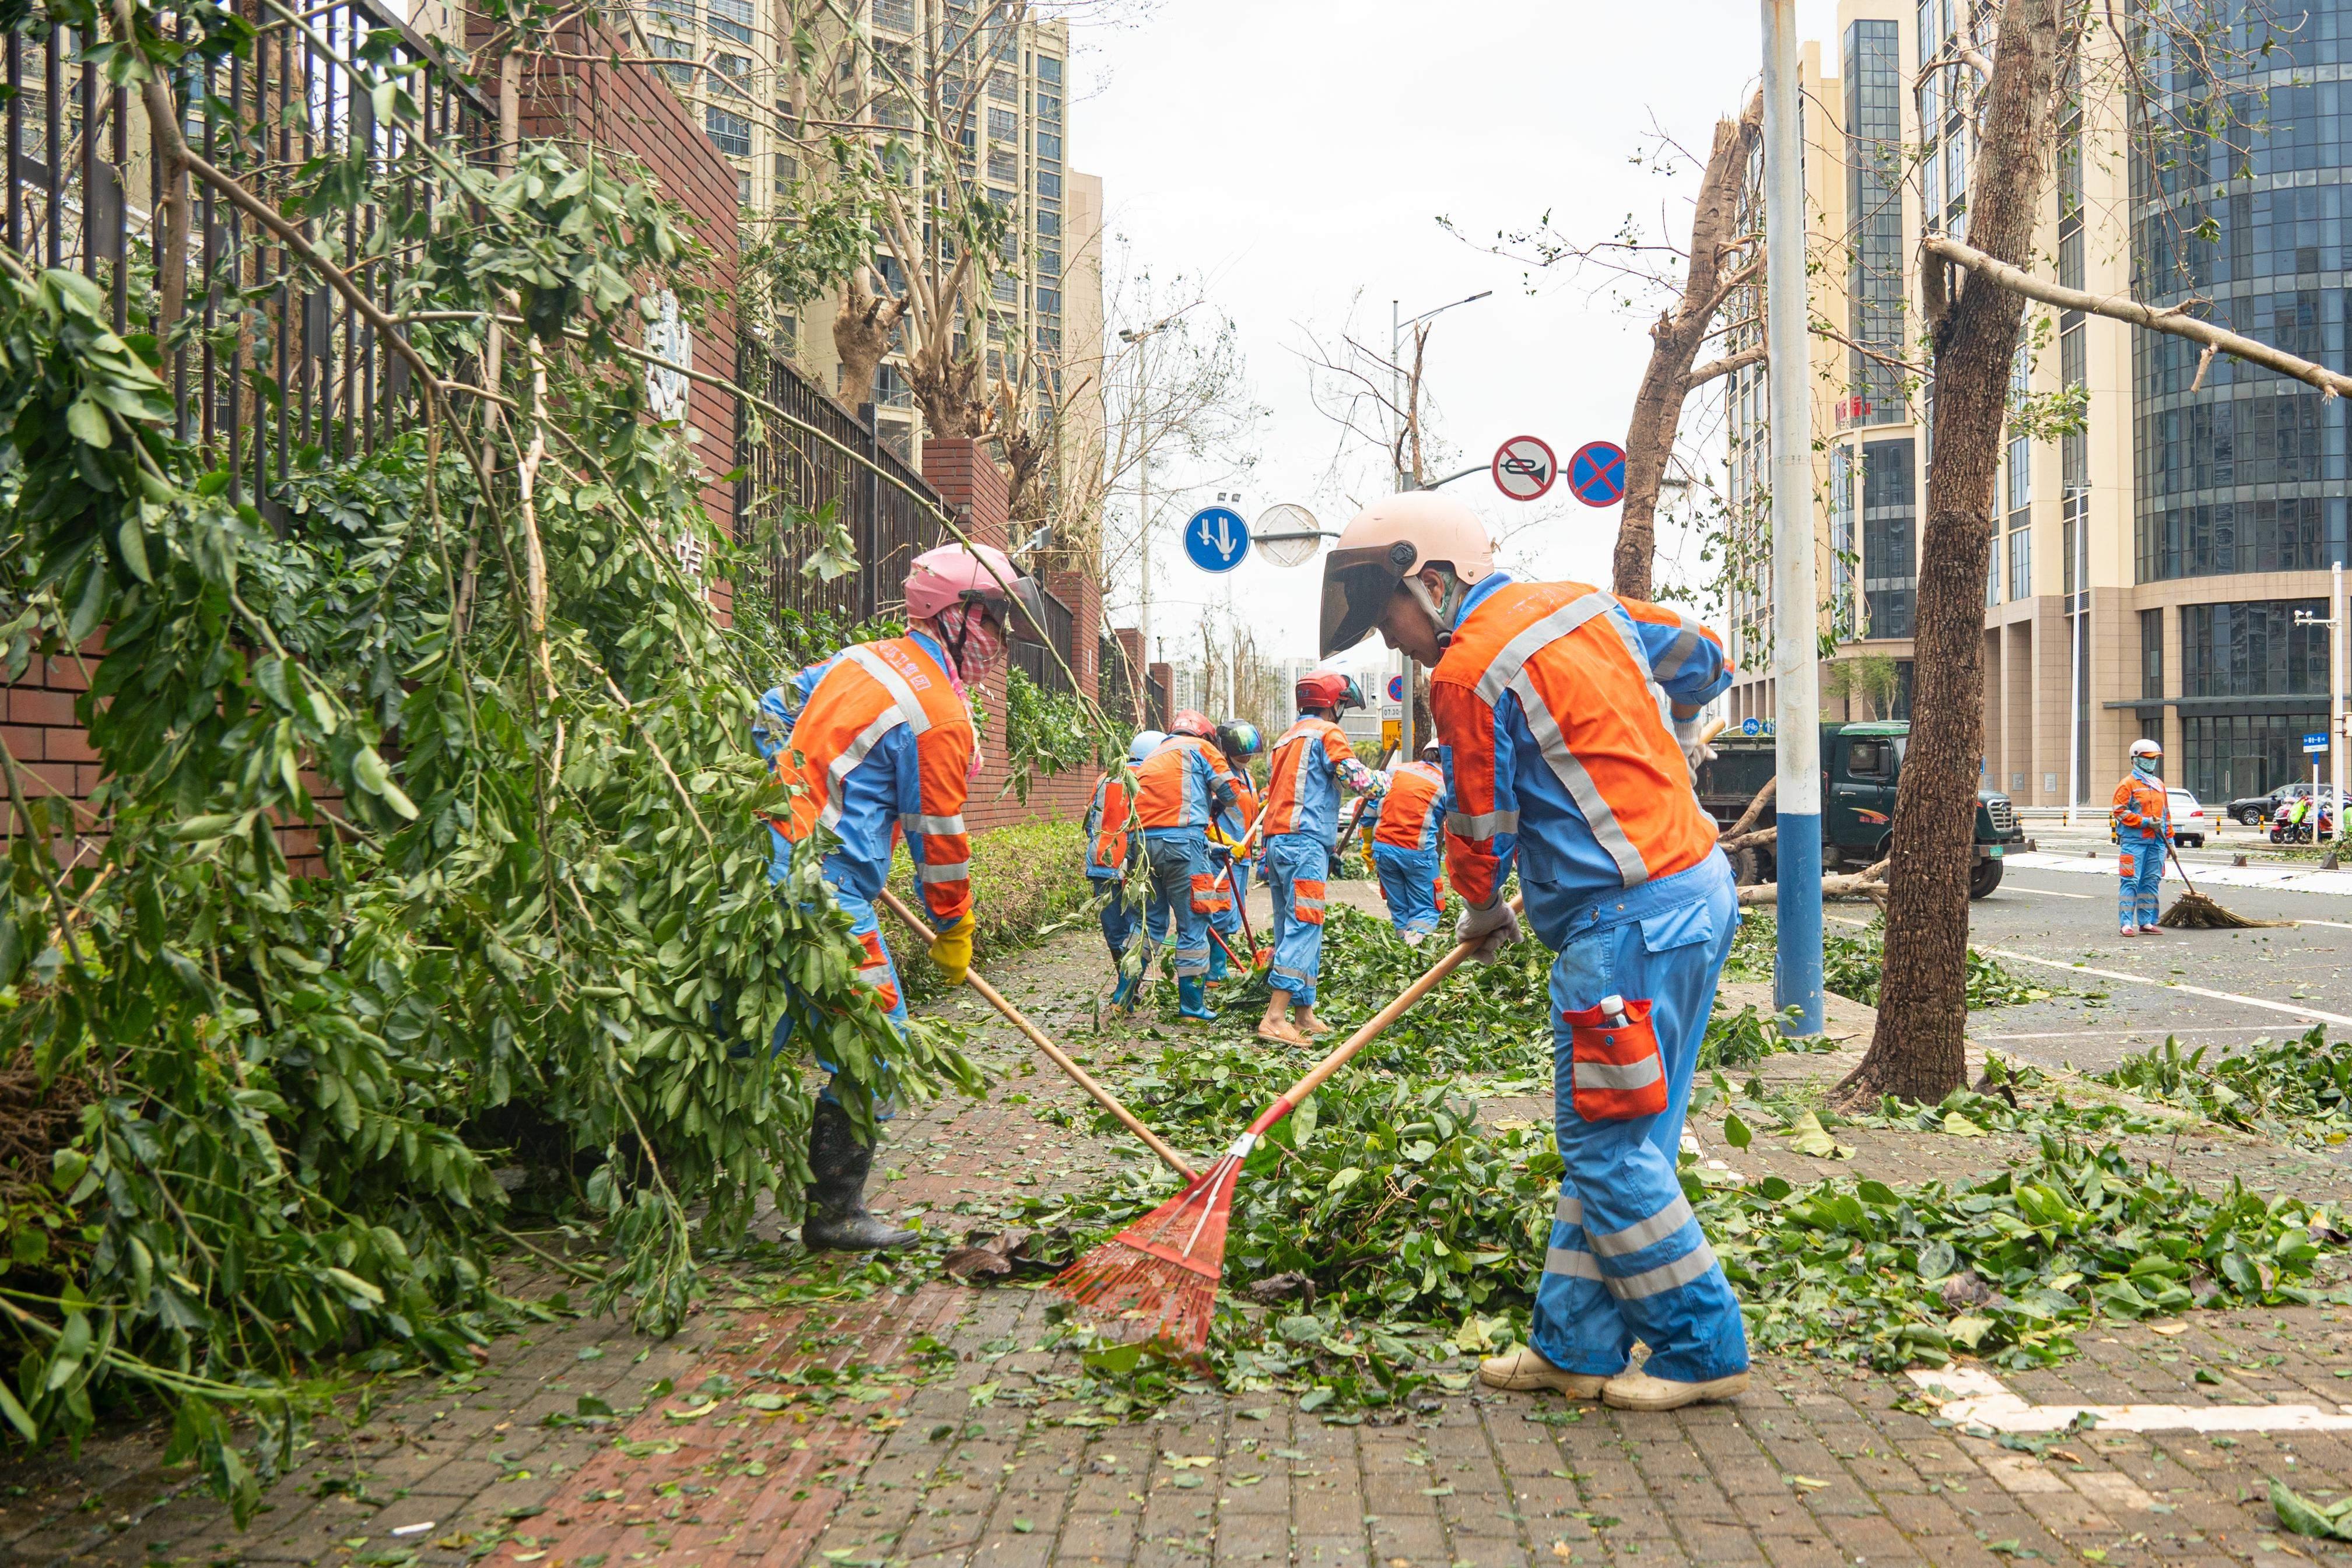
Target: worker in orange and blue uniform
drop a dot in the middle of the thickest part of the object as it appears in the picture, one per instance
(879, 744)
(1239, 740)
(2143, 820)
(1179, 790)
(1310, 763)
(1405, 844)
(1111, 850)
(1569, 721)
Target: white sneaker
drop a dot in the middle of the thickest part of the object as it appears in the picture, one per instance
(1640, 1391)
(1523, 1369)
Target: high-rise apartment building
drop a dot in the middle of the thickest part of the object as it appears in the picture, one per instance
(2147, 570)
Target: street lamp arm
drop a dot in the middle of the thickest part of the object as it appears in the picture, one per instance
(1463, 474)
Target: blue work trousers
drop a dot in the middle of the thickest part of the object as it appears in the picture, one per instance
(1176, 858)
(1627, 1260)
(878, 970)
(1409, 882)
(1119, 918)
(2140, 865)
(1228, 920)
(1296, 865)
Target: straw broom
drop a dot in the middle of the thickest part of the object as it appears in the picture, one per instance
(1162, 1271)
(2192, 911)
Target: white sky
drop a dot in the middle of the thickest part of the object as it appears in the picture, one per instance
(1296, 154)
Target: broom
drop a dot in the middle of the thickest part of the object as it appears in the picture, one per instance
(1079, 1075)
(1163, 1270)
(2192, 911)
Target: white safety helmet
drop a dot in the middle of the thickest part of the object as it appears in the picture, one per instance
(2148, 748)
(1383, 544)
(1145, 743)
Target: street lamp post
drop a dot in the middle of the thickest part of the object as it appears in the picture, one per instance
(1132, 337)
(1797, 969)
(1406, 749)
(2078, 609)
(2337, 650)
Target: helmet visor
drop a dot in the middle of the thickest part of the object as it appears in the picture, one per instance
(1357, 585)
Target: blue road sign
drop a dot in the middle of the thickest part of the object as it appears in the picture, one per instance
(2315, 742)
(1215, 539)
(1396, 688)
(1750, 726)
(1597, 473)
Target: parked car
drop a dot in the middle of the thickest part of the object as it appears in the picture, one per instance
(2255, 811)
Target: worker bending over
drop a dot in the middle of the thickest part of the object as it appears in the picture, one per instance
(1239, 740)
(1567, 716)
(2143, 820)
(1310, 762)
(1405, 844)
(1111, 850)
(878, 742)
(1180, 788)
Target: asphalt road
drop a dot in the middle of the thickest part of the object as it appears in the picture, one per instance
(2217, 988)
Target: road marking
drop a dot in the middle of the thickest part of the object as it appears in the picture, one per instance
(2287, 1007)
(2339, 924)
(2126, 1035)
(2051, 892)
(1973, 1398)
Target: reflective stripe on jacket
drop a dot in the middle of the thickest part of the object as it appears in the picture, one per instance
(877, 740)
(1107, 824)
(1414, 806)
(1555, 702)
(1302, 792)
(1183, 784)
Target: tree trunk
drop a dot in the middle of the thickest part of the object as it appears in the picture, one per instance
(861, 335)
(1916, 1052)
(1675, 341)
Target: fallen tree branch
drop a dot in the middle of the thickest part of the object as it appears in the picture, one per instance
(1870, 884)
(1755, 808)
(2170, 318)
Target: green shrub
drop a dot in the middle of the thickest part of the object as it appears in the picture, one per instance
(1028, 880)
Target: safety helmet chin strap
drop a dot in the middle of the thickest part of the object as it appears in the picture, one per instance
(1443, 612)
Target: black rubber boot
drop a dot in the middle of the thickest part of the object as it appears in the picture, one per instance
(837, 1220)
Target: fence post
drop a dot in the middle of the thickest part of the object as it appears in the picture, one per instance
(870, 518)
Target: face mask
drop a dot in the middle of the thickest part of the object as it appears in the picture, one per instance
(973, 645)
(2146, 764)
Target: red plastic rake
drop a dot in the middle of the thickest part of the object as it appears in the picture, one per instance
(1161, 1273)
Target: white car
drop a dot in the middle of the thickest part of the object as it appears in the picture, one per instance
(2189, 822)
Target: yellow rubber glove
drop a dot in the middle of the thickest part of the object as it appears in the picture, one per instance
(951, 951)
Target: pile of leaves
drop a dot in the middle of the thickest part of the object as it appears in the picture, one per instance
(2006, 1268)
(1853, 960)
(2299, 1088)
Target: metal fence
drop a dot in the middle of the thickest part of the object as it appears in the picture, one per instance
(791, 478)
(279, 367)
(1038, 660)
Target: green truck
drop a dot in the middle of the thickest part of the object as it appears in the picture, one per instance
(1861, 764)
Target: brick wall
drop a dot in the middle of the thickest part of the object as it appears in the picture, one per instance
(586, 100)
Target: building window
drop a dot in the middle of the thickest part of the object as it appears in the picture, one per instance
(1874, 156)
(732, 17)
(2021, 556)
(743, 187)
(1890, 572)
(891, 389)
(1002, 87)
(736, 68)
(2226, 755)
(1004, 125)
(787, 170)
(678, 14)
(1049, 184)
(2298, 533)
(1006, 288)
(1049, 264)
(899, 16)
(2252, 648)
(2151, 653)
(1049, 224)
(674, 49)
(1842, 544)
(894, 112)
(1004, 167)
(730, 133)
(1049, 301)
(1049, 70)
(1049, 109)
(1049, 147)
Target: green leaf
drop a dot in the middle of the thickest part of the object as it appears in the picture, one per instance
(86, 421)
(2301, 1517)
(1737, 1133)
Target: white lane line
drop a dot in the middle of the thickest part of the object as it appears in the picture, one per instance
(1973, 1398)
(2126, 1034)
(2287, 1007)
(2339, 924)
(2048, 892)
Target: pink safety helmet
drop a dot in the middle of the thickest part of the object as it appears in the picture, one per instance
(971, 574)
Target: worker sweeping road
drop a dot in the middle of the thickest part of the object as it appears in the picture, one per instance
(1182, 786)
(1567, 716)
(878, 742)
(1239, 740)
(2143, 821)
(1111, 850)
(1405, 844)
(1310, 762)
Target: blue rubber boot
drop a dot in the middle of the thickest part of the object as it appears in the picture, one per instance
(1217, 961)
(1124, 995)
(1192, 999)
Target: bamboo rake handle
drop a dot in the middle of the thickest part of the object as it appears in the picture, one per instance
(1370, 1031)
(1079, 1075)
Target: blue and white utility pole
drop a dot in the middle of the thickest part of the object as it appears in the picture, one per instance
(1796, 969)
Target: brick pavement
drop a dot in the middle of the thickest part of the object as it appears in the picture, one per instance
(847, 1415)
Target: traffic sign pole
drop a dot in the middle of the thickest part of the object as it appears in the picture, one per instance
(1797, 969)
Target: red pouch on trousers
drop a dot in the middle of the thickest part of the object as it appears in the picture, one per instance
(1617, 1072)
(1209, 895)
(1307, 901)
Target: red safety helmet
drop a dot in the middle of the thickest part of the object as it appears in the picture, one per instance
(1193, 723)
(1329, 688)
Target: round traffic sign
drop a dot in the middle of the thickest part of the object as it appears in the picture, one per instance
(1396, 688)
(1524, 467)
(1215, 539)
(1597, 473)
(1750, 726)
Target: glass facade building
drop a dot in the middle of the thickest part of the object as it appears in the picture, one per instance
(1875, 158)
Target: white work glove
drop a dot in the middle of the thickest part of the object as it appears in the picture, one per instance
(1492, 928)
(1690, 735)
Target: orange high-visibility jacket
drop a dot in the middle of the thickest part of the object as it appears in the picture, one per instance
(1415, 805)
(1304, 774)
(1184, 784)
